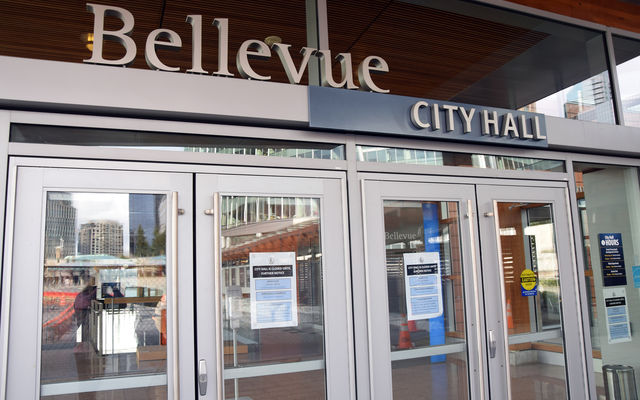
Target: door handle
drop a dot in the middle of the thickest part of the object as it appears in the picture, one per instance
(217, 289)
(202, 377)
(492, 344)
(174, 294)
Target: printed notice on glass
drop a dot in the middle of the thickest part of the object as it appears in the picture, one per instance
(274, 300)
(423, 285)
(617, 313)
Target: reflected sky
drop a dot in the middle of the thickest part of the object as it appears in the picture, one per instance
(628, 77)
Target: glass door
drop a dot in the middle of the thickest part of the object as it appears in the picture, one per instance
(465, 304)
(270, 266)
(91, 285)
(534, 341)
(421, 278)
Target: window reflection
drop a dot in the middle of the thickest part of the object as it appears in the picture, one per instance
(65, 135)
(472, 53)
(428, 234)
(627, 53)
(445, 158)
(104, 292)
(608, 197)
(527, 242)
(532, 300)
(259, 226)
(589, 100)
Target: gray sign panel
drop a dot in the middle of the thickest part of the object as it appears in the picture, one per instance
(409, 116)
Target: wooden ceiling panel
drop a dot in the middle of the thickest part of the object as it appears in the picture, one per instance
(432, 53)
(53, 29)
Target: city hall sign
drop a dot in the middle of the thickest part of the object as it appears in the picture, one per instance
(249, 49)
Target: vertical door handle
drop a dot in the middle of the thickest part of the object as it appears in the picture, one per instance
(202, 377)
(174, 294)
(478, 365)
(492, 344)
(217, 290)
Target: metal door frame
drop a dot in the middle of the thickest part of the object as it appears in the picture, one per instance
(488, 197)
(572, 317)
(32, 196)
(338, 350)
(336, 180)
(375, 192)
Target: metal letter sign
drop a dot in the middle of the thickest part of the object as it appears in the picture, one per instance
(250, 49)
(424, 118)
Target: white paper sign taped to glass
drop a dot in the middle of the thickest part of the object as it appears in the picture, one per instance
(617, 313)
(274, 300)
(423, 285)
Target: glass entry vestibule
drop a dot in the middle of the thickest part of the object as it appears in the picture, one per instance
(471, 289)
(125, 283)
(142, 280)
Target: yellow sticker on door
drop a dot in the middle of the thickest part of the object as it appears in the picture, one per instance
(528, 283)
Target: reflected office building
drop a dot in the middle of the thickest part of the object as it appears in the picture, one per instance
(101, 237)
(104, 307)
(61, 228)
(590, 100)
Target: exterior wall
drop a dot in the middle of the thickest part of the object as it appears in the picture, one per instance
(56, 86)
(51, 85)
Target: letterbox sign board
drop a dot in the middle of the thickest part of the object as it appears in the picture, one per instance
(424, 118)
(274, 299)
(617, 313)
(423, 285)
(612, 259)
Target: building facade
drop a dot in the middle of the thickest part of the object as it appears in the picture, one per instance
(100, 237)
(319, 199)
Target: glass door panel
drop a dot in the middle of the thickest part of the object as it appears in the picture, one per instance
(532, 299)
(422, 235)
(92, 286)
(280, 318)
(528, 282)
(420, 255)
(104, 297)
(282, 266)
(521, 341)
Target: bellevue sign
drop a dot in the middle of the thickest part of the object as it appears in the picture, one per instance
(249, 49)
